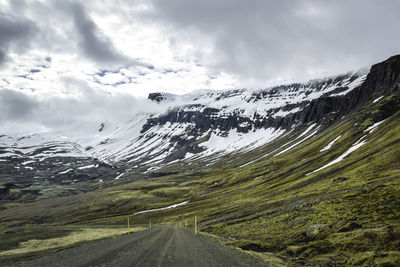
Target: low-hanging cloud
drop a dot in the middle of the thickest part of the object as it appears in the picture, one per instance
(21, 112)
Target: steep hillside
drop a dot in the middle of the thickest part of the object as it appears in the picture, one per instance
(191, 127)
(311, 179)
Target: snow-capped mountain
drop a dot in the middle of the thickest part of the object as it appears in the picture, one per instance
(196, 124)
(202, 125)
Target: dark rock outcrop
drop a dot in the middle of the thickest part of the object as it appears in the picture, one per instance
(101, 127)
(158, 97)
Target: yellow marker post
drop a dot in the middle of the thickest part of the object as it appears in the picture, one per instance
(150, 224)
(195, 225)
(129, 230)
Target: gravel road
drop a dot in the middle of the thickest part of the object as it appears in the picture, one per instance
(160, 246)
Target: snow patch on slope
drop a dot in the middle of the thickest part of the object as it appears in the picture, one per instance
(373, 127)
(379, 98)
(169, 207)
(354, 147)
(328, 146)
(357, 82)
(236, 141)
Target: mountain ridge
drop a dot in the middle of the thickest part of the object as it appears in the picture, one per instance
(194, 127)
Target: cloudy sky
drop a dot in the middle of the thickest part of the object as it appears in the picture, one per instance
(82, 55)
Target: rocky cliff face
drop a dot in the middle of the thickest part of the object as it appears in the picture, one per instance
(322, 102)
(281, 108)
(245, 111)
(383, 79)
(278, 107)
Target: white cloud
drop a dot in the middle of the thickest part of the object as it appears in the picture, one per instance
(112, 78)
(66, 51)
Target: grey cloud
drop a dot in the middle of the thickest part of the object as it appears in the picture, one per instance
(14, 34)
(2, 56)
(65, 26)
(16, 106)
(264, 39)
(92, 41)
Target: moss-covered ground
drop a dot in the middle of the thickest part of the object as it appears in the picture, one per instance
(345, 214)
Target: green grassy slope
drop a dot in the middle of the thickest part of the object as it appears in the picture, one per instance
(347, 213)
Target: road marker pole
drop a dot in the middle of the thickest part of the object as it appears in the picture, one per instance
(129, 230)
(195, 225)
(150, 224)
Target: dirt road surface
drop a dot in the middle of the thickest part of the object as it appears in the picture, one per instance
(160, 246)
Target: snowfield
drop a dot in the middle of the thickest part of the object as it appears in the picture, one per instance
(136, 142)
